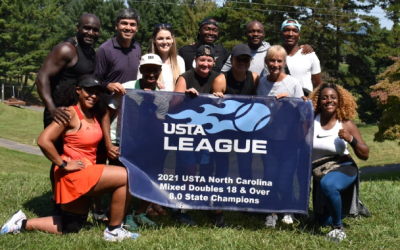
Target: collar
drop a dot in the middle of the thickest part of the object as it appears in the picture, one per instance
(118, 46)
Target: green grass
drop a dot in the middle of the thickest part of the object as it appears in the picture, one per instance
(380, 153)
(19, 124)
(28, 188)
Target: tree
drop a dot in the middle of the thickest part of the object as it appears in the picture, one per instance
(388, 93)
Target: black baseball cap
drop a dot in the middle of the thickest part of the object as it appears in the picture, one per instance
(89, 81)
(241, 49)
(205, 50)
(208, 20)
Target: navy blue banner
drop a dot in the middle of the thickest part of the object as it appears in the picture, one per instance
(244, 153)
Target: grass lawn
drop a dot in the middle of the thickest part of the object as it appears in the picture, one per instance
(27, 187)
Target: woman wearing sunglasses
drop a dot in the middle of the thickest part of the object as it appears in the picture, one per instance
(163, 44)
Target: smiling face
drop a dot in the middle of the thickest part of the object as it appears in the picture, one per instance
(150, 74)
(208, 33)
(241, 63)
(88, 29)
(276, 63)
(203, 65)
(126, 29)
(88, 96)
(255, 35)
(290, 35)
(163, 41)
(328, 101)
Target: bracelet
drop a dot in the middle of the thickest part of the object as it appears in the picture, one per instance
(63, 165)
(353, 142)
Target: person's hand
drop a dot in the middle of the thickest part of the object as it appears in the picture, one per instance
(281, 95)
(192, 91)
(60, 115)
(113, 152)
(345, 135)
(219, 94)
(304, 98)
(307, 49)
(116, 87)
(160, 85)
(74, 166)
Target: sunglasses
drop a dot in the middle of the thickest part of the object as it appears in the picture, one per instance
(163, 25)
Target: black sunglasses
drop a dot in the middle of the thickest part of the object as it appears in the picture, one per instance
(163, 25)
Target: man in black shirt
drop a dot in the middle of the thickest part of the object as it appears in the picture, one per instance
(208, 34)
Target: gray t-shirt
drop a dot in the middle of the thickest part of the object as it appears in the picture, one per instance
(289, 85)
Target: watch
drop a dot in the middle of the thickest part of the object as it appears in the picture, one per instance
(63, 165)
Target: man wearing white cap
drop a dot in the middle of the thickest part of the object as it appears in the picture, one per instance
(150, 68)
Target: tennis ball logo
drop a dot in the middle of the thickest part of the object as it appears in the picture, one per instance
(252, 117)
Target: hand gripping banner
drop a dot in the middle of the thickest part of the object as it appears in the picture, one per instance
(248, 153)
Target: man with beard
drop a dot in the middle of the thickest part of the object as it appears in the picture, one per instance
(207, 35)
(117, 60)
(68, 60)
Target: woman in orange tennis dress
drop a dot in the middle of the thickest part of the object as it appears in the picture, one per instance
(77, 176)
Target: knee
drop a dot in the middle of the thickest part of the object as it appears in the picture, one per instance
(72, 223)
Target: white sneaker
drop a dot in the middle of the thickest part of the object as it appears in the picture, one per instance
(13, 225)
(336, 235)
(271, 220)
(118, 234)
(288, 219)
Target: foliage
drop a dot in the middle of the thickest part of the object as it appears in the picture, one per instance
(388, 93)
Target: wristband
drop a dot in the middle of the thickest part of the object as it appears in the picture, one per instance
(353, 142)
(63, 165)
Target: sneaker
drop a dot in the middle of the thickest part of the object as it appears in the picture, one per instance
(271, 220)
(143, 221)
(336, 235)
(219, 220)
(130, 224)
(118, 234)
(13, 225)
(183, 218)
(288, 219)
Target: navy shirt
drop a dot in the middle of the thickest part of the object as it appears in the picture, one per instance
(117, 64)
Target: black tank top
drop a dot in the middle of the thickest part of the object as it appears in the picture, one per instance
(202, 85)
(234, 87)
(84, 65)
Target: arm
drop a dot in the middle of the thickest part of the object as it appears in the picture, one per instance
(256, 80)
(112, 151)
(351, 134)
(47, 138)
(316, 80)
(181, 87)
(62, 56)
(219, 85)
(307, 49)
(101, 70)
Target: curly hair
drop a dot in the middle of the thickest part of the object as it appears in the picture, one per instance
(65, 95)
(347, 105)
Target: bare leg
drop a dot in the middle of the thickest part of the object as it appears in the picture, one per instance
(50, 224)
(115, 179)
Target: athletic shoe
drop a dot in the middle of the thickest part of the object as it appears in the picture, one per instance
(118, 234)
(336, 235)
(219, 220)
(143, 221)
(13, 225)
(130, 224)
(288, 219)
(183, 218)
(271, 220)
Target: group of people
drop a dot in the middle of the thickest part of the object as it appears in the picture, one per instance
(82, 119)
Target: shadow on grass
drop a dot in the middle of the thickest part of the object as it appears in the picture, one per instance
(40, 205)
(388, 176)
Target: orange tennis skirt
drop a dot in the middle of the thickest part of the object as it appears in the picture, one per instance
(71, 186)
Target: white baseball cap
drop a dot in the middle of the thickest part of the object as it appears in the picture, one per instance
(151, 59)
